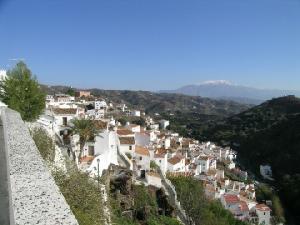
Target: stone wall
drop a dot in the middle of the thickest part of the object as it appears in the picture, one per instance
(35, 197)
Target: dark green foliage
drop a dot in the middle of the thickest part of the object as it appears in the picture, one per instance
(86, 129)
(21, 92)
(158, 102)
(263, 193)
(71, 91)
(83, 196)
(267, 134)
(203, 212)
(144, 201)
(44, 143)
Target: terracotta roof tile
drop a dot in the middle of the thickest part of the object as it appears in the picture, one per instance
(127, 140)
(60, 111)
(262, 207)
(124, 132)
(231, 199)
(174, 160)
(141, 150)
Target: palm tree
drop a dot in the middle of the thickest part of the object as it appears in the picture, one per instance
(87, 131)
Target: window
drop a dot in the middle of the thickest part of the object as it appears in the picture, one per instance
(130, 147)
(159, 161)
(65, 121)
(91, 150)
(141, 157)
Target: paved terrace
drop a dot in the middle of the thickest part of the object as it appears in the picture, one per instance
(29, 195)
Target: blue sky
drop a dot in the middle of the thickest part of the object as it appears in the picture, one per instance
(154, 44)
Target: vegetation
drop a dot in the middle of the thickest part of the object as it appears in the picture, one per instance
(263, 193)
(44, 143)
(71, 91)
(86, 129)
(191, 196)
(267, 134)
(21, 92)
(145, 209)
(152, 102)
(83, 196)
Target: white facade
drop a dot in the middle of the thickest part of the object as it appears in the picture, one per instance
(264, 214)
(142, 158)
(100, 105)
(164, 124)
(176, 164)
(106, 150)
(162, 162)
(136, 113)
(153, 179)
(142, 139)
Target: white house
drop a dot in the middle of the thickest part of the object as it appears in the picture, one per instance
(142, 160)
(63, 117)
(103, 150)
(230, 202)
(142, 138)
(127, 145)
(164, 124)
(100, 105)
(127, 141)
(136, 113)
(161, 159)
(263, 213)
(176, 164)
(133, 127)
(266, 171)
(154, 126)
(204, 161)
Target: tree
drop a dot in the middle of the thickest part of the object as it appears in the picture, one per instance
(71, 91)
(86, 129)
(21, 92)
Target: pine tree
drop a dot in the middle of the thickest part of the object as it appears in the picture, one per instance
(21, 92)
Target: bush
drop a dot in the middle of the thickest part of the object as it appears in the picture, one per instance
(44, 143)
(82, 195)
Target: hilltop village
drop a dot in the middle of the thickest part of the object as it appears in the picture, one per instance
(151, 151)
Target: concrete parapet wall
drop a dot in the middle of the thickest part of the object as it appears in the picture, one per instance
(36, 199)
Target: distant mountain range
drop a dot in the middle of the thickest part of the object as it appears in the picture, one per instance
(221, 89)
(162, 102)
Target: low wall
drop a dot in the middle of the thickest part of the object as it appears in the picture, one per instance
(36, 199)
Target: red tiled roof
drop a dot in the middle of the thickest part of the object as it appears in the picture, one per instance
(174, 160)
(127, 140)
(231, 199)
(124, 132)
(244, 206)
(160, 153)
(64, 111)
(262, 207)
(141, 150)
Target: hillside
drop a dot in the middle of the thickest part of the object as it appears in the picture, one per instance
(267, 134)
(221, 89)
(163, 103)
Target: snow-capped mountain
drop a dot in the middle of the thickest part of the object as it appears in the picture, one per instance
(222, 89)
